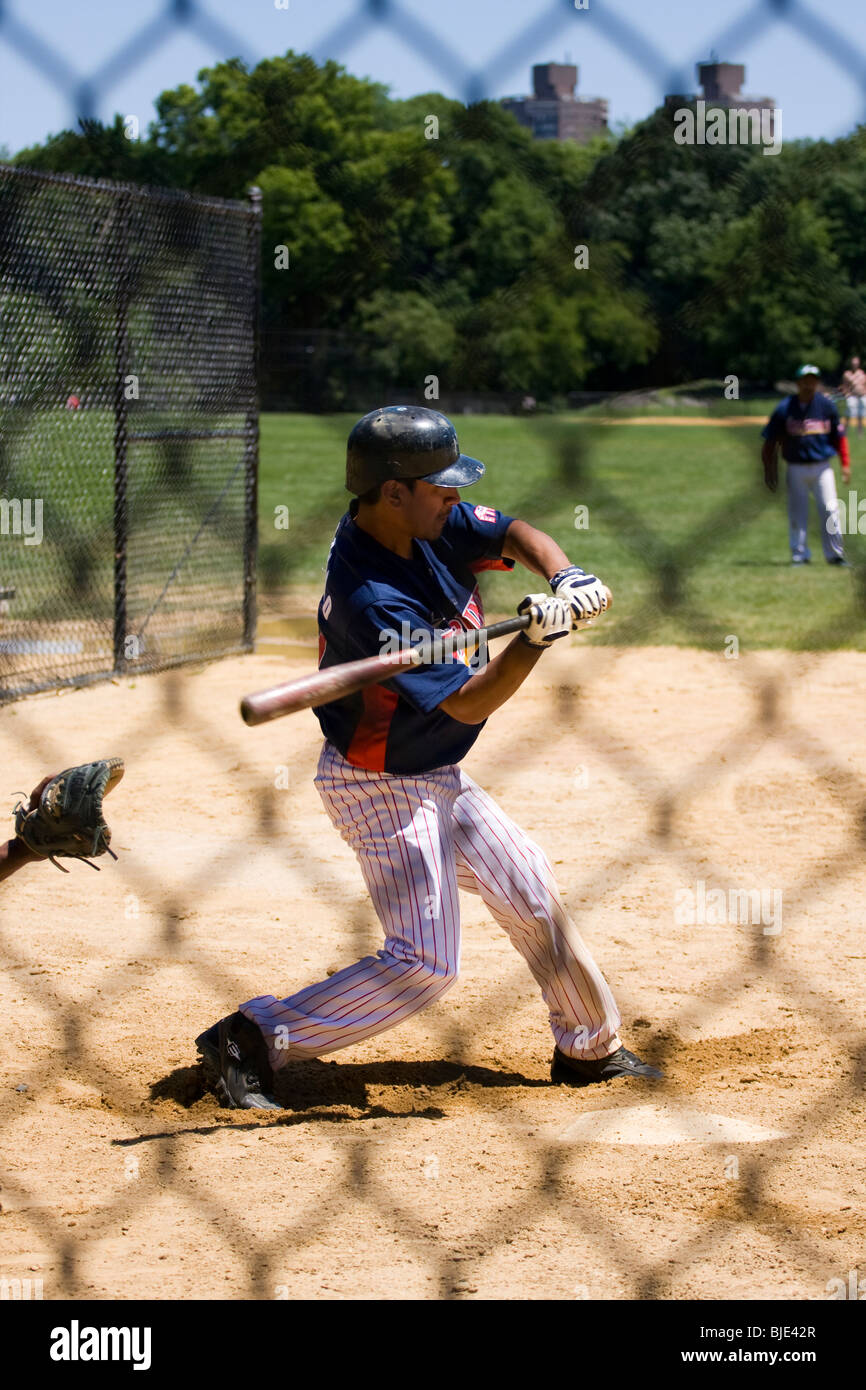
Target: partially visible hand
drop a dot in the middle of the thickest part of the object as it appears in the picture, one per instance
(550, 618)
(846, 476)
(585, 594)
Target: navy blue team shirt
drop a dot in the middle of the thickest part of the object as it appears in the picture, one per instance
(396, 727)
(807, 433)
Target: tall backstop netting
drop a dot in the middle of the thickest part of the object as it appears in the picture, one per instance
(128, 428)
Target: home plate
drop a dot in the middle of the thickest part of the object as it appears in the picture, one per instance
(659, 1124)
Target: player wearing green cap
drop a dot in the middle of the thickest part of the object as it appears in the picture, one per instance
(808, 429)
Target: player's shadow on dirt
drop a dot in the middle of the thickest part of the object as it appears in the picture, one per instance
(306, 1086)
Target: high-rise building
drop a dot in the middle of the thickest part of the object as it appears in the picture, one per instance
(720, 86)
(555, 112)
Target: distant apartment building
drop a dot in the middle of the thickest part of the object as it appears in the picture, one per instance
(554, 111)
(720, 86)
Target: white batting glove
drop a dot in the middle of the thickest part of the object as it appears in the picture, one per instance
(550, 618)
(583, 592)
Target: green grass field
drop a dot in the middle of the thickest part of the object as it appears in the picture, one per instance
(680, 525)
(678, 522)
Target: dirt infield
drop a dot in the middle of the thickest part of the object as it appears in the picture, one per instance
(437, 1160)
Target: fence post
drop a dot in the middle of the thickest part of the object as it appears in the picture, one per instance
(121, 434)
(251, 428)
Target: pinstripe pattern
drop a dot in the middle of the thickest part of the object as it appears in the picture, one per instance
(419, 839)
(496, 859)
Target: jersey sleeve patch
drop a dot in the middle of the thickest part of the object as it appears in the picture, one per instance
(485, 514)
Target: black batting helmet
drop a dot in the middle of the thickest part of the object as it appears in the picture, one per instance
(407, 441)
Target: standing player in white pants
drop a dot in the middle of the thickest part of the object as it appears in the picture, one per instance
(853, 388)
(404, 560)
(807, 427)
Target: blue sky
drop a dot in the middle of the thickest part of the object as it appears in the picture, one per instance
(811, 58)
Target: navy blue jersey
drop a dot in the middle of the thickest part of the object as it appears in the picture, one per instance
(376, 601)
(807, 433)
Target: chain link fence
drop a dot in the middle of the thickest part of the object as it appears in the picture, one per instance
(129, 428)
(90, 357)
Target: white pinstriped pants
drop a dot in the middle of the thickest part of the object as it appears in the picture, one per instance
(419, 839)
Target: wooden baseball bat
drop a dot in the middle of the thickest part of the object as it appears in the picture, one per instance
(335, 682)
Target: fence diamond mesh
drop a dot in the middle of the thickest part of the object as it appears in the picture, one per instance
(100, 283)
(129, 428)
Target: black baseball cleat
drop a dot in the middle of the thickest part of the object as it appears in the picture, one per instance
(840, 560)
(208, 1044)
(579, 1071)
(235, 1062)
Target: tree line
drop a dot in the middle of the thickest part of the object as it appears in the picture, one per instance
(404, 240)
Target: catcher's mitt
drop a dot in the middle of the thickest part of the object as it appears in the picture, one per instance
(65, 818)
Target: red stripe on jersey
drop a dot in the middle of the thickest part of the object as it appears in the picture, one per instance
(473, 613)
(370, 738)
(322, 646)
(478, 565)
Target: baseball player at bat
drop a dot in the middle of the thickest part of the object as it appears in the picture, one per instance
(808, 428)
(404, 561)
